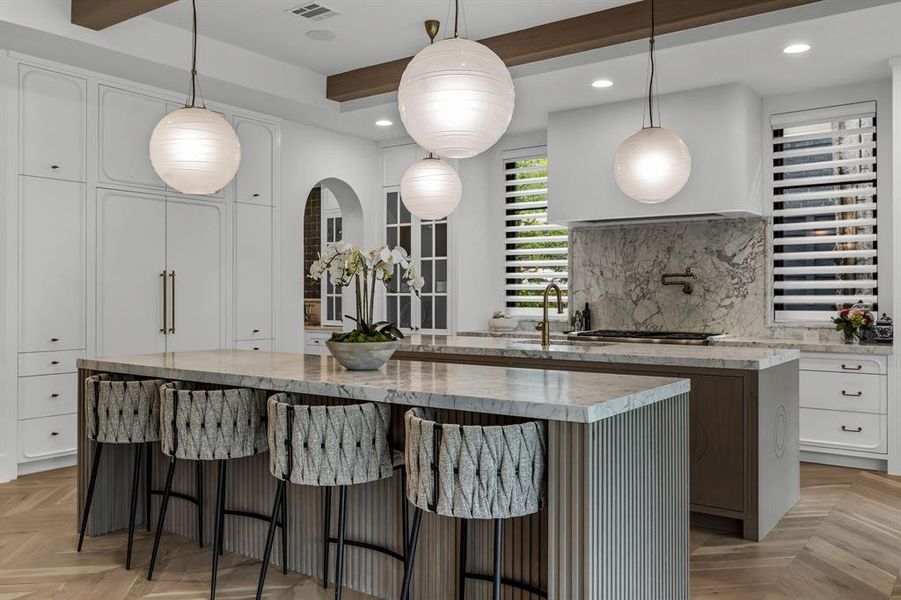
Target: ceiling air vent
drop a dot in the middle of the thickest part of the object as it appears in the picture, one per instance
(314, 12)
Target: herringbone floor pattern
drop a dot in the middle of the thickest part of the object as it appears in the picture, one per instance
(841, 542)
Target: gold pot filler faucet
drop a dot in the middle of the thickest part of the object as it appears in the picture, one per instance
(544, 326)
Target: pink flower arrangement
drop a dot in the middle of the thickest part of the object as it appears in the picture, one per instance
(851, 321)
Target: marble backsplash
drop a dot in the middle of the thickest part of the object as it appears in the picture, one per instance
(617, 270)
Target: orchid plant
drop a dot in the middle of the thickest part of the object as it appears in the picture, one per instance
(346, 264)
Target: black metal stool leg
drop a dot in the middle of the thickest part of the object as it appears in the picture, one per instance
(327, 526)
(461, 574)
(408, 563)
(98, 448)
(284, 494)
(339, 554)
(270, 536)
(404, 509)
(217, 531)
(199, 481)
(148, 478)
(222, 508)
(498, 555)
(162, 518)
(135, 483)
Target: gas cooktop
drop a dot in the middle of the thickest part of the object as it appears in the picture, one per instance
(648, 337)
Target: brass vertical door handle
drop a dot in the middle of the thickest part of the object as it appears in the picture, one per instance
(165, 300)
(172, 276)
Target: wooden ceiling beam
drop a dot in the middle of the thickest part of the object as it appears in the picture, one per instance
(600, 29)
(100, 14)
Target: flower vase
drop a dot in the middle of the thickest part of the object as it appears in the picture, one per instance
(852, 339)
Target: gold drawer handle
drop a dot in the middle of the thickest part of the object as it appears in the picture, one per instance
(847, 368)
(849, 430)
(850, 395)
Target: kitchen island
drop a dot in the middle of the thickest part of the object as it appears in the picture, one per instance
(615, 520)
(744, 414)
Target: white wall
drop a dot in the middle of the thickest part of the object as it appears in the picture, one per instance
(309, 155)
(478, 234)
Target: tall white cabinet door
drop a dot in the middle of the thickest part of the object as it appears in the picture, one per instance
(195, 251)
(131, 256)
(127, 120)
(254, 178)
(253, 272)
(52, 265)
(52, 117)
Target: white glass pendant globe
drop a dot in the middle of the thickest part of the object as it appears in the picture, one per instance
(456, 98)
(195, 151)
(430, 189)
(652, 165)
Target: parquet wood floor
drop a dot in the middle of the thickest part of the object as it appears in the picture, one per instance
(841, 542)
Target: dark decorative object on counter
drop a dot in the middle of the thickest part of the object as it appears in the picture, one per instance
(883, 330)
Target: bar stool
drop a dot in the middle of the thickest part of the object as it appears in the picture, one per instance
(328, 446)
(473, 472)
(208, 425)
(121, 410)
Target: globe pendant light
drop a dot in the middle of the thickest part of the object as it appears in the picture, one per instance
(654, 164)
(192, 149)
(456, 96)
(430, 189)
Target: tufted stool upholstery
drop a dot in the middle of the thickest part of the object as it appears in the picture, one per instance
(326, 446)
(202, 425)
(121, 409)
(473, 472)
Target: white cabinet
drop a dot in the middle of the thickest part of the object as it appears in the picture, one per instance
(52, 265)
(47, 395)
(259, 345)
(131, 273)
(253, 183)
(127, 120)
(52, 124)
(47, 437)
(160, 273)
(844, 405)
(253, 272)
(314, 342)
(195, 246)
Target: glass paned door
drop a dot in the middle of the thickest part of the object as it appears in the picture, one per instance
(332, 296)
(427, 243)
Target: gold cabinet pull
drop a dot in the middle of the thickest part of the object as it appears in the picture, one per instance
(852, 430)
(849, 394)
(165, 301)
(172, 276)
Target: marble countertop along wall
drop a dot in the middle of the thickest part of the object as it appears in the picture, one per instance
(715, 357)
(530, 393)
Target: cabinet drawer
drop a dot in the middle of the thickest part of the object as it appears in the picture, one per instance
(264, 345)
(48, 395)
(844, 391)
(842, 429)
(47, 437)
(48, 363)
(843, 364)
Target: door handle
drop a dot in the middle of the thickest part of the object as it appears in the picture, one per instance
(852, 430)
(172, 276)
(165, 301)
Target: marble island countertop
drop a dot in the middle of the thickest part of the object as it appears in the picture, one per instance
(717, 357)
(836, 347)
(531, 393)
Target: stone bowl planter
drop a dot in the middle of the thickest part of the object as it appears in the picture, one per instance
(366, 356)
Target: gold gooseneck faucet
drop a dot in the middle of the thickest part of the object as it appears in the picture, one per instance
(544, 327)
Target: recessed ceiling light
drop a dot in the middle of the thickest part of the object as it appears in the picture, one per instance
(796, 48)
(321, 35)
(601, 83)
(384, 123)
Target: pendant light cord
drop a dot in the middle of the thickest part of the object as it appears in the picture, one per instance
(456, 16)
(653, 67)
(193, 57)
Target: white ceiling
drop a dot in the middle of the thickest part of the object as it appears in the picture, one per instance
(367, 31)
(847, 48)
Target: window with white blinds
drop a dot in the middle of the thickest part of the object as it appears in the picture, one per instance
(825, 254)
(536, 251)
